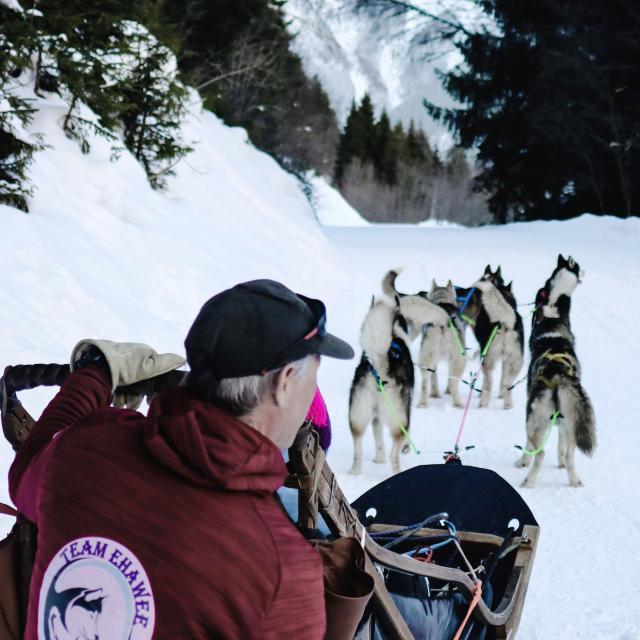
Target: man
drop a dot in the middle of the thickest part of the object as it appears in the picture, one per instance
(167, 526)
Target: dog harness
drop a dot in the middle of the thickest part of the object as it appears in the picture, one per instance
(565, 359)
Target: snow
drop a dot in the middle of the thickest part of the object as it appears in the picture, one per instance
(331, 208)
(12, 4)
(102, 255)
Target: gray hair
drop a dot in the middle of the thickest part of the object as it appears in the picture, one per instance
(239, 396)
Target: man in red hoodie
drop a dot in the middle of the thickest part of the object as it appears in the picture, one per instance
(166, 526)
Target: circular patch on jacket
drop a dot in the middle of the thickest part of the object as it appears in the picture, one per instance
(95, 588)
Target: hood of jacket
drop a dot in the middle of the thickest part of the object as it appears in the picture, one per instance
(210, 448)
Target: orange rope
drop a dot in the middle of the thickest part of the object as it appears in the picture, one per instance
(477, 594)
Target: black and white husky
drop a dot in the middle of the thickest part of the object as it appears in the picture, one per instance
(382, 387)
(498, 325)
(442, 342)
(553, 381)
(562, 282)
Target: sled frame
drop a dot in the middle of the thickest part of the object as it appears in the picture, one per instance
(318, 491)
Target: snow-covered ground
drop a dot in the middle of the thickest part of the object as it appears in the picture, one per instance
(101, 255)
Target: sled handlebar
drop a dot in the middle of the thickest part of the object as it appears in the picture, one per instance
(29, 376)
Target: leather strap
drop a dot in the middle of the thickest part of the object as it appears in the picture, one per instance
(8, 510)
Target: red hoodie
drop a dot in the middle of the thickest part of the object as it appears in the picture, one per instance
(162, 527)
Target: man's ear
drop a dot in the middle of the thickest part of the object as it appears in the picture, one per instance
(282, 384)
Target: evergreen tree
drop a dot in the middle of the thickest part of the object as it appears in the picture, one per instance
(152, 106)
(80, 56)
(457, 167)
(412, 150)
(553, 106)
(358, 138)
(16, 149)
(105, 58)
(238, 55)
(385, 151)
(16, 145)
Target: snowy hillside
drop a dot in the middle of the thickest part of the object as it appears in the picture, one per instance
(398, 72)
(102, 255)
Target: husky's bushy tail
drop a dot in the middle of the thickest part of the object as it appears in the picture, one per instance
(389, 283)
(575, 405)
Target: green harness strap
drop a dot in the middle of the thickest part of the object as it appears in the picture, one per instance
(553, 420)
(380, 387)
(490, 340)
(470, 321)
(456, 336)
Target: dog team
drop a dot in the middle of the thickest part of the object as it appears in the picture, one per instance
(382, 389)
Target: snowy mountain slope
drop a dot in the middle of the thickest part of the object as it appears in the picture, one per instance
(354, 53)
(102, 255)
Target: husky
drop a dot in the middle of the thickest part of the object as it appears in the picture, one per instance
(382, 387)
(442, 343)
(562, 282)
(432, 315)
(553, 379)
(496, 307)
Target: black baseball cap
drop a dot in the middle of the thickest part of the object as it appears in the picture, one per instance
(259, 326)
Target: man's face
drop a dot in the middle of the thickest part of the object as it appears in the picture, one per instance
(296, 395)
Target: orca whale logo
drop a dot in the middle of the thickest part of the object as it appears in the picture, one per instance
(95, 589)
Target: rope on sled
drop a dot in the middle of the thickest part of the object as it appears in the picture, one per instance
(477, 594)
(552, 422)
(474, 378)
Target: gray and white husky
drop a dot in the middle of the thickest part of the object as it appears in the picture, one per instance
(553, 381)
(382, 387)
(389, 290)
(442, 343)
(496, 308)
(430, 315)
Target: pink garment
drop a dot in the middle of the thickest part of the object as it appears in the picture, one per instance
(319, 418)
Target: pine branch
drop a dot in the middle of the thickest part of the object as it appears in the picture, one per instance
(403, 7)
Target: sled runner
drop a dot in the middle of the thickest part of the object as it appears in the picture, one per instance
(494, 528)
(445, 541)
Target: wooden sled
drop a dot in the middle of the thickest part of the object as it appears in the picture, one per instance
(319, 492)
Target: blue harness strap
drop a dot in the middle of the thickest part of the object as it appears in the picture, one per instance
(465, 299)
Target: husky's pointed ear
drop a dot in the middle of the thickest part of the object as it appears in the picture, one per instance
(487, 270)
(508, 287)
(434, 286)
(561, 260)
(451, 288)
(498, 272)
(571, 262)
